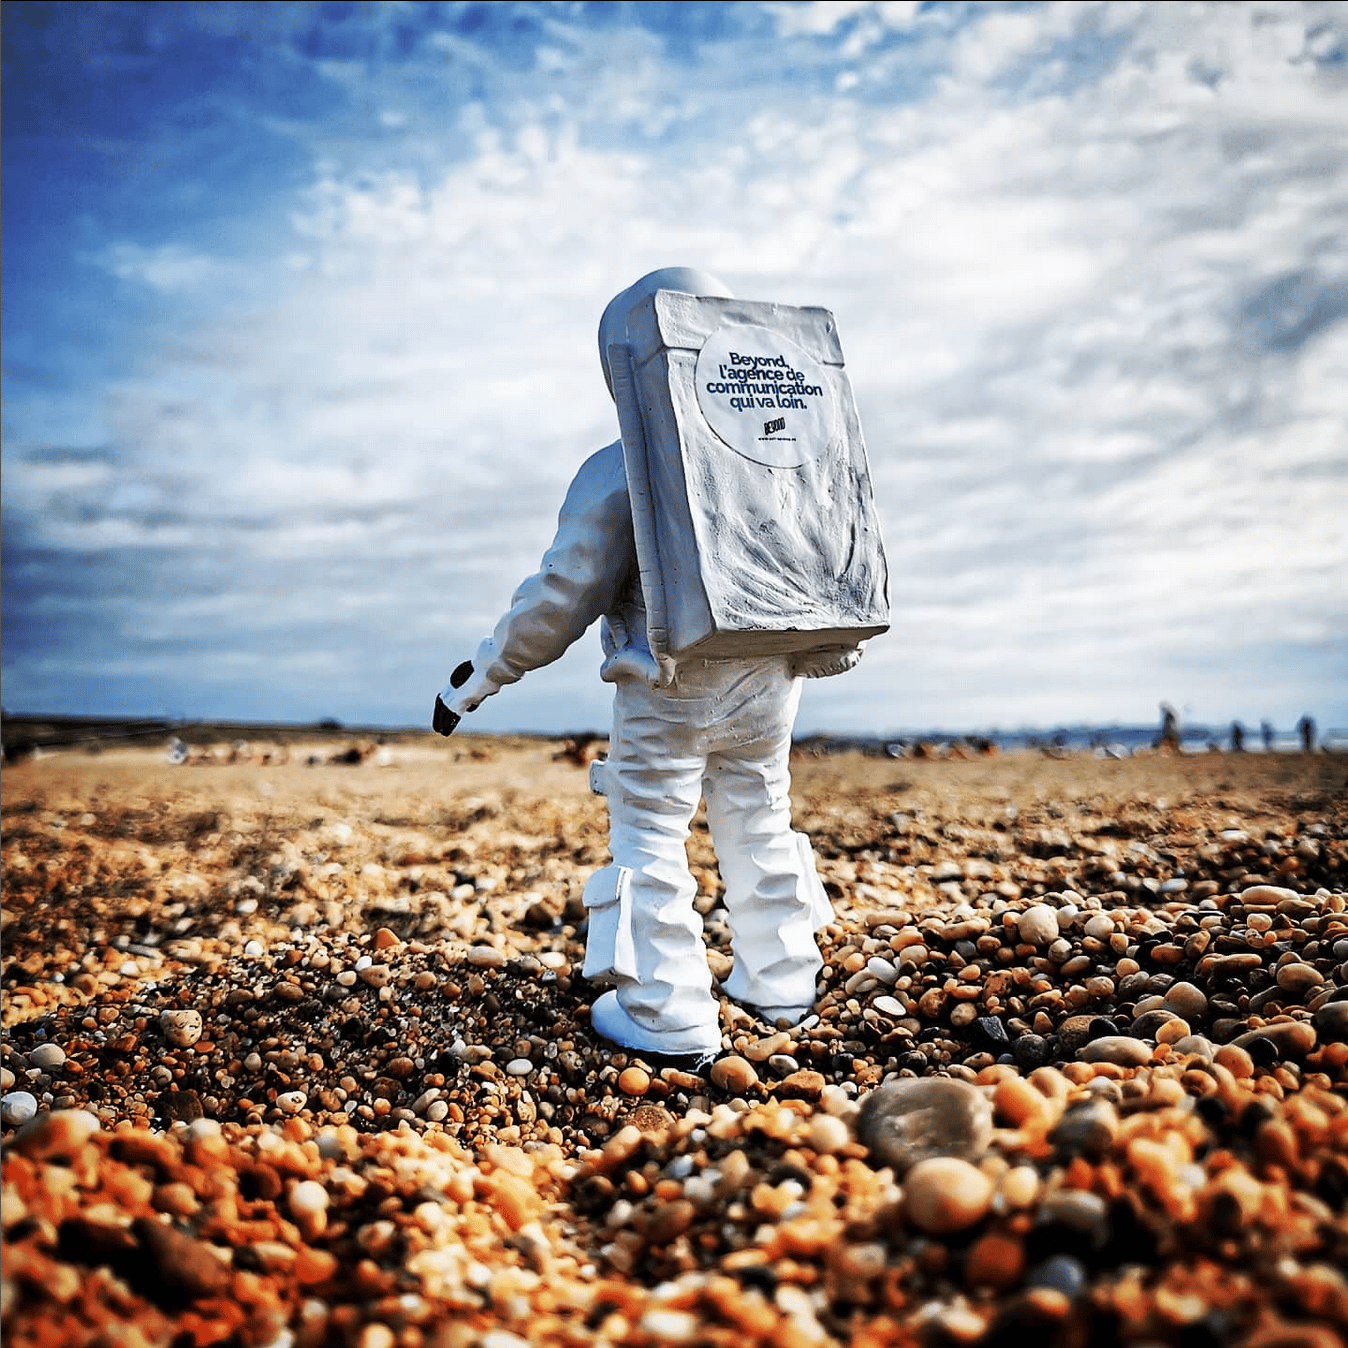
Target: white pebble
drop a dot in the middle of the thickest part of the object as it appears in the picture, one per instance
(17, 1107)
(308, 1198)
(1100, 927)
(291, 1102)
(881, 969)
(828, 1134)
(182, 1029)
(519, 1067)
(47, 1057)
(254, 950)
(1038, 925)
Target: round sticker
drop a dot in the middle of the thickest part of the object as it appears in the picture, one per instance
(764, 396)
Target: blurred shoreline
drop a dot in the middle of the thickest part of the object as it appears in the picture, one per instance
(28, 734)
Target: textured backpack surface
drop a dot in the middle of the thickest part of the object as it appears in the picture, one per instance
(751, 494)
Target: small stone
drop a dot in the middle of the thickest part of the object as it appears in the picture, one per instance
(733, 1074)
(1266, 896)
(1290, 1038)
(634, 1081)
(1331, 1022)
(47, 1057)
(1076, 1208)
(802, 1085)
(1019, 1104)
(1077, 1031)
(944, 1194)
(669, 1221)
(182, 1028)
(1038, 925)
(519, 1067)
(669, 1326)
(384, 939)
(291, 1102)
(1298, 978)
(486, 957)
(17, 1107)
(308, 1198)
(60, 1133)
(1186, 1000)
(1061, 1273)
(1018, 1188)
(1029, 1051)
(1086, 1129)
(995, 1260)
(1195, 1045)
(828, 1134)
(182, 1268)
(909, 1120)
(1120, 1049)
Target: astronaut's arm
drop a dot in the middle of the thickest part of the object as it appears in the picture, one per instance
(577, 581)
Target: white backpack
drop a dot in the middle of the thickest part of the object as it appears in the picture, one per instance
(755, 525)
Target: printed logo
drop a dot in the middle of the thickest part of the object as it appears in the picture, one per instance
(778, 424)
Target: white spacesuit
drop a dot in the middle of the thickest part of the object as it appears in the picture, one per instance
(719, 730)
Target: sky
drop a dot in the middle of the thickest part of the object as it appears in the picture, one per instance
(300, 303)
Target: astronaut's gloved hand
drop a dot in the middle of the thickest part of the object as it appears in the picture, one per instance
(452, 703)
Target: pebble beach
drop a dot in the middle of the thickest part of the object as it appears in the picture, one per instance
(298, 1053)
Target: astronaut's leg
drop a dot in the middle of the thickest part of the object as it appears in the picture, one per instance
(651, 946)
(774, 896)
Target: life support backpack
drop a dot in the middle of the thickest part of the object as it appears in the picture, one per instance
(755, 524)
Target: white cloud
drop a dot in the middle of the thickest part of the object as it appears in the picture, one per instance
(169, 268)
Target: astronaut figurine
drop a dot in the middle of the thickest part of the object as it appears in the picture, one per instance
(727, 543)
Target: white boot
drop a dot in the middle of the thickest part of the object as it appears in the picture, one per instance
(609, 1019)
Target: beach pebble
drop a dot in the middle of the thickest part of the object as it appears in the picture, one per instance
(17, 1107)
(1062, 1273)
(733, 1074)
(1120, 1049)
(1299, 979)
(906, 1121)
(1038, 925)
(828, 1134)
(1290, 1038)
(182, 1029)
(1086, 1129)
(1076, 1208)
(47, 1057)
(1196, 1044)
(184, 1267)
(944, 1193)
(1331, 1022)
(59, 1133)
(1186, 1000)
(995, 1260)
(634, 1081)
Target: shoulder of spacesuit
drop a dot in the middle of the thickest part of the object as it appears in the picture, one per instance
(600, 485)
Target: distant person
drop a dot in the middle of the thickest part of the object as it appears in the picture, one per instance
(1237, 738)
(1168, 738)
(1266, 730)
(1306, 729)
